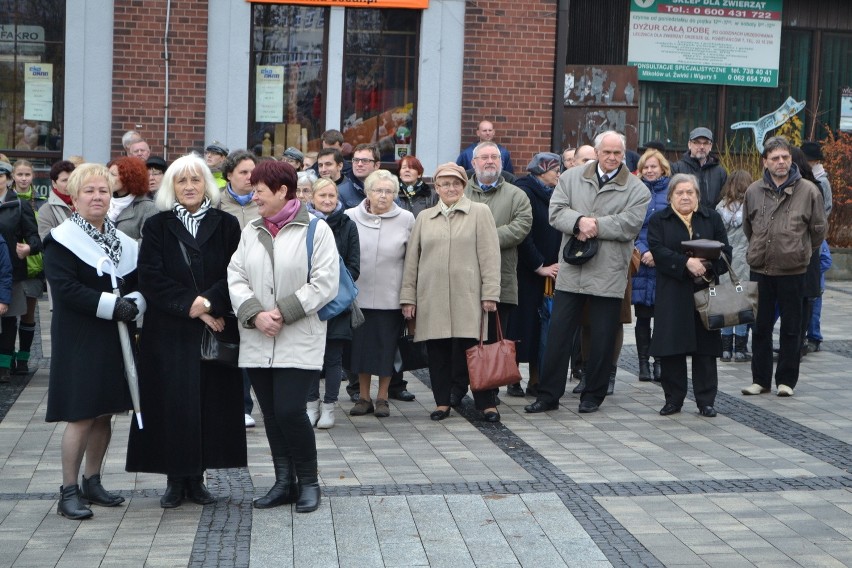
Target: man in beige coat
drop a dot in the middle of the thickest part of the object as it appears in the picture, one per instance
(452, 274)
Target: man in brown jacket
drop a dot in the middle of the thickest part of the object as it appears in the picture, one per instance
(784, 221)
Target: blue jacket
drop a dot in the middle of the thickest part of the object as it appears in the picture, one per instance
(645, 281)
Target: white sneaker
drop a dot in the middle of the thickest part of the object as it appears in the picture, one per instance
(250, 423)
(326, 415)
(784, 390)
(313, 411)
(755, 389)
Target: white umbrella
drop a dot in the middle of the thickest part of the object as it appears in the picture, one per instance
(126, 346)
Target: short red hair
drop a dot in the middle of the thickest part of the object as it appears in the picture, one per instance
(413, 163)
(133, 174)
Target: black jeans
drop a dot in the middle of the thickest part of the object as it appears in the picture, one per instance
(448, 367)
(281, 394)
(705, 379)
(787, 293)
(605, 317)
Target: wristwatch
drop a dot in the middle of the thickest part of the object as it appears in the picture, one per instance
(207, 305)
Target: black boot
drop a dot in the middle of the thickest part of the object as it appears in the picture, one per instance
(658, 371)
(309, 489)
(727, 348)
(197, 492)
(643, 344)
(611, 388)
(173, 497)
(70, 506)
(285, 490)
(741, 354)
(581, 386)
(93, 492)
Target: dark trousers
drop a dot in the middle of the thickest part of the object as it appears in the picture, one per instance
(448, 367)
(705, 380)
(281, 394)
(248, 403)
(786, 293)
(505, 311)
(605, 317)
(332, 366)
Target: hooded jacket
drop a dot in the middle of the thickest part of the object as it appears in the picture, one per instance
(711, 176)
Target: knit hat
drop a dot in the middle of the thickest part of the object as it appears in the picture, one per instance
(544, 162)
(812, 151)
(452, 170)
(294, 154)
(217, 148)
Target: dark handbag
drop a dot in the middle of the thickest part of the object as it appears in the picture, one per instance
(705, 249)
(347, 291)
(493, 365)
(411, 355)
(222, 347)
(728, 303)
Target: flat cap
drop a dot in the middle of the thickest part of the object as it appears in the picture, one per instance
(452, 170)
(701, 132)
(217, 148)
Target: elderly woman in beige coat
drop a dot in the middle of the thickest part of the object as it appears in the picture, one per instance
(452, 275)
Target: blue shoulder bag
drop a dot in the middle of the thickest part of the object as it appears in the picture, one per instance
(347, 291)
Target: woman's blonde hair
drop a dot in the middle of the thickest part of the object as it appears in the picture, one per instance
(654, 153)
(321, 183)
(82, 173)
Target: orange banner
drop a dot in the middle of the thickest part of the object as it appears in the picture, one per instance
(412, 4)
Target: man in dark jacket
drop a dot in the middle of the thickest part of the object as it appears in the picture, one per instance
(784, 221)
(698, 162)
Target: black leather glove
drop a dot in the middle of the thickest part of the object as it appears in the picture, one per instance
(125, 309)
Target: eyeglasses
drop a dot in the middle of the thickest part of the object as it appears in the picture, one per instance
(701, 143)
(154, 172)
(383, 191)
(491, 157)
(363, 161)
(303, 191)
(450, 185)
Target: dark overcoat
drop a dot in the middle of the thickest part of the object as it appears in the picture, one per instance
(86, 366)
(349, 247)
(193, 411)
(540, 247)
(677, 326)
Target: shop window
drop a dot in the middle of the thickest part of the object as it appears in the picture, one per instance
(287, 78)
(669, 111)
(32, 67)
(380, 79)
(835, 74)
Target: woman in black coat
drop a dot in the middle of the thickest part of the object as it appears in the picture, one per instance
(87, 384)
(678, 330)
(193, 409)
(538, 258)
(324, 203)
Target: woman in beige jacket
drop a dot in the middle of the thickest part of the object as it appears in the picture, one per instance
(452, 274)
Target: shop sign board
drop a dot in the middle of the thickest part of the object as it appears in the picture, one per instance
(719, 42)
(846, 109)
(38, 91)
(269, 93)
(412, 4)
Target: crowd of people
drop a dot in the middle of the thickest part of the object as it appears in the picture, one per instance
(230, 242)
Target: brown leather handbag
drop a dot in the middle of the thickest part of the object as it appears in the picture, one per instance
(493, 365)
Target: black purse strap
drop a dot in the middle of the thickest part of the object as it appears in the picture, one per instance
(189, 264)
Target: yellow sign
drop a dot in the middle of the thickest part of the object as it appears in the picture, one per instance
(412, 4)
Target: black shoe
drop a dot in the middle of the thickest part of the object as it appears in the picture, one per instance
(93, 492)
(540, 406)
(355, 396)
(402, 395)
(669, 408)
(20, 368)
(285, 489)
(456, 399)
(707, 411)
(197, 492)
(515, 390)
(70, 506)
(492, 417)
(309, 489)
(645, 370)
(173, 497)
(657, 371)
(610, 389)
(814, 346)
(532, 390)
(581, 386)
(587, 407)
(440, 414)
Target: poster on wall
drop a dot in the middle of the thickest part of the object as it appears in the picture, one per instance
(719, 42)
(846, 109)
(413, 4)
(269, 94)
(38, 91)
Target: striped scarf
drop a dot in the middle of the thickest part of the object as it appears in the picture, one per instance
(191, 220)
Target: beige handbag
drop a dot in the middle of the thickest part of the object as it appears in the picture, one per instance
(728, 303)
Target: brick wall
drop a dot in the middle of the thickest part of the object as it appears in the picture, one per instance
(509, 55)
(139, 73)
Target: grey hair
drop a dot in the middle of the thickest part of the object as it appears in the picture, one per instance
(776, 143)
(487, 144)
(191, 163)
(130, 137)
(380, 175)
(683, 178)
(307, 176)
(600, 138)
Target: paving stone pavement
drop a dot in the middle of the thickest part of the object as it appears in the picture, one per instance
(766, 483)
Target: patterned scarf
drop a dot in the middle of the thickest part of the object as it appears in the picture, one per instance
(191, 220)
(108, 240)
(242, 200)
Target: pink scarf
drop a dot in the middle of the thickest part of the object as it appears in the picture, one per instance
(284, 216)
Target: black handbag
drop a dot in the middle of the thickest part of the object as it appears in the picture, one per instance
(728, 303)
(410, 355)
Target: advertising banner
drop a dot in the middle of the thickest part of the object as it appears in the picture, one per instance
(38, 91)
(413, 4)
(719, 42)
(269, 93)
